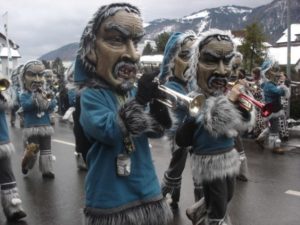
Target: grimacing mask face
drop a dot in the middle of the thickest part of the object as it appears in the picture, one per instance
(115, 55)
(181, 61)
(33, 77)
(213, 69)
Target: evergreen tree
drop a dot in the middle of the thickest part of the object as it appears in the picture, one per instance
(252, 46)
(58, 67)
(46, 64)
(148, 50)
(161, 41)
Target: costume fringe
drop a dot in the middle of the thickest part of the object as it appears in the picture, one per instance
(34, 131)
(6, 150)
(154, 213)
(210, 167)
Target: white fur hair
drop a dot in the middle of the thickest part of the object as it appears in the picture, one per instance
(222, 117)
(170, 65)
(6, 150)
(216, 166)
(88, 38)
(34, 131)
(192, 71)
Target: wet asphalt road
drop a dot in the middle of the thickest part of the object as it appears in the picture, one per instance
(260, 201)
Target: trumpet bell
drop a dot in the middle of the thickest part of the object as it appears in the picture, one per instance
(196, 104)
(4, 84)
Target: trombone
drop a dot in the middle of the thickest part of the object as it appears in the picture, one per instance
(4, 84)
(174, 98)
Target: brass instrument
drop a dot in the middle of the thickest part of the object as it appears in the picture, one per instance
(46, 95)
(246, 100)
(4, 84)
(194, 104)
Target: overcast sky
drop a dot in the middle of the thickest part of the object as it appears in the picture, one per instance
(40, 26)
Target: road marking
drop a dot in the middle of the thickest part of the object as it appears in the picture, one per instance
(63, 142)
(291, 192)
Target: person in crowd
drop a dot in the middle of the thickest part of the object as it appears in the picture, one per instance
(177, 54)
(272, 93)
(73, 114)
(283, 124)
(238, 77)
(256, 91)
(215, 161)
(51, 87)
(10, 199)
(121, 185)
(37, 106)
(15, 90)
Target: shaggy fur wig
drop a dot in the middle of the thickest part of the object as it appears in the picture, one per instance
(88, 37)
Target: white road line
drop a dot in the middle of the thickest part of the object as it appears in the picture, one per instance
(63, 142)
(291, 192)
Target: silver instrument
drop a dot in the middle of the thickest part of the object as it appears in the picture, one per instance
(174, 98)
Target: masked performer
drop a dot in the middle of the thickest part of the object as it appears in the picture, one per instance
(10, 198)
(215, 161)
(177, 54)
(272, 93)
(51, 88)
(73, 114)
(16, 90)
(121, 185)
(235, 77)
(37, 105)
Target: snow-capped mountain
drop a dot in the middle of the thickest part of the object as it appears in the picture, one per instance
(272, 17)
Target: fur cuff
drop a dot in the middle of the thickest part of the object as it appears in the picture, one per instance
(35, 131)
(210, 167)
(134, 120)
(221, 117)
(6, 150)
(154, 213)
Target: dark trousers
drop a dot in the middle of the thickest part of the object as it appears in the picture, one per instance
(7, 178)
(44, 143)
(217, 194)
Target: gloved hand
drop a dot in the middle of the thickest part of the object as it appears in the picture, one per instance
(147, 88)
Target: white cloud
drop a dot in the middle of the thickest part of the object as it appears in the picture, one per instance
(40, 26)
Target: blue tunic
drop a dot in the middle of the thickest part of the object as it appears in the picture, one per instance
(31, 111)
(104, 188)
(4, 135)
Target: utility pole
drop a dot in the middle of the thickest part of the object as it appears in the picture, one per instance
(288, 65)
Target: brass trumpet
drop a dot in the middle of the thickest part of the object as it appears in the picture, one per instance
(4, 84)
(265, 109)
(246, 101)
(46, 95)
(194, 104)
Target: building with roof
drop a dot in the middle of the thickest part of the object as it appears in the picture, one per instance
(12, 53)
(279, 50)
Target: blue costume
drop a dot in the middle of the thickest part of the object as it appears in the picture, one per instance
(215, 162)
(176, 80)
(272, 93)
(10, 199)
(121, 185)
(37, 125)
